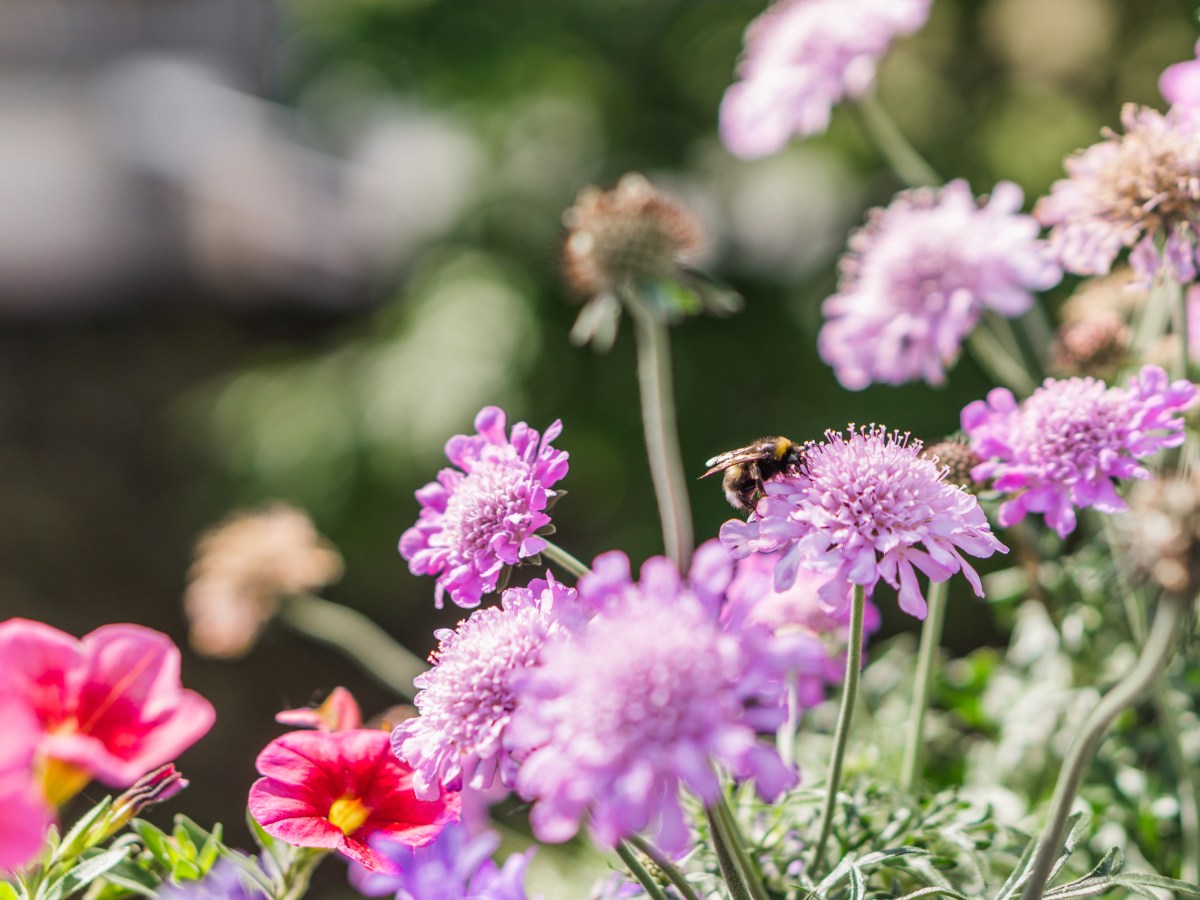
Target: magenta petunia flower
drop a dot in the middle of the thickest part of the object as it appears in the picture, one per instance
(802, 58)
(484, 515)
(468, 697)
(919, 275)
(110, 705)
(335, 790)
(1180, 85)
(647, 697)
(453, 867)
(24, 813)
(1064, 447)
(866, 507)
(1139, 189)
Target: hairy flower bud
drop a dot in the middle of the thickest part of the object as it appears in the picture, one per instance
(958, 458)
(1093, 345)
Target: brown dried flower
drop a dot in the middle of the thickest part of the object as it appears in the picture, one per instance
(1095, 345)
(241, 569)
(1161, 532)
(958, 458)
(625, 235)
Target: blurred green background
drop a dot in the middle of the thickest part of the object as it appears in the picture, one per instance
(254, 250)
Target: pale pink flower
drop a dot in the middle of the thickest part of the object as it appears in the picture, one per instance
(1180, 85)
(24, 813)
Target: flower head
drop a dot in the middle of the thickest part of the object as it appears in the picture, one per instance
(1161, 532)
(484, 515)
(24, 813)
(1130, 190)
(1063, 448)
(919, 275)
(867, 506)
(802, 58)
(109, 705)
(468, 697)
(1180, 85)
(453, 867)
(337, 789)
(243, 566)
(642, 699)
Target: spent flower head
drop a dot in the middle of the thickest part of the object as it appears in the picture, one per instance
(468, 697)
(484, 515)
(867, 506)
(920, 274)
(1065, 446)
(643, 699)
(802, 58)
(1160, 534)
(241, 569)
(1139, 190)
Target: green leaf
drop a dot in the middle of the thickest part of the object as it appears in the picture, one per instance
(85, 873)
(154, 839)
(934, 892)
(8, 892)
(1160, 881)
(77, 840)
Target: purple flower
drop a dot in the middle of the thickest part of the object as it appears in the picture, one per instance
(1061, 449)
(1135, 189)
(802, 58)
(795, 615)
(226, 881)
(642, 700)
(454, 867)
(919, 275)
(468, 697)
(858, 511)
(1180, 85)
(476, 521)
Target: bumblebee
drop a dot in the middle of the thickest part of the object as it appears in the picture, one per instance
(748, 468)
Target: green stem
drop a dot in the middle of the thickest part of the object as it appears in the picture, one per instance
(639, 872)
(557, 554)
(999, 363)
(931, 638)
(656, 385)
(667, 867)
(785, 737)
(901, 156)
(1183, 362)
(358, 638)
(1168, 623)
(300, 872)
(741, 877)
(845, 718)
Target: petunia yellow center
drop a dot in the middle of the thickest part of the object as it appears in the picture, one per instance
(348, 814)
(62, 780)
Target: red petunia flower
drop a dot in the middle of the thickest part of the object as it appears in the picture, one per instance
(334, 790)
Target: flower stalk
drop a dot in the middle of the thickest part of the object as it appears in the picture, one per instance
(901, 156)
(567, 561)
(739, 872)
(668, 868)
(931, 638)
(1169, 620)
(656, 385)
(357, 637)
(845, 718)
(644, 878)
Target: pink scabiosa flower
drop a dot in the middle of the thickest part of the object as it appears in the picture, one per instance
(484, 515)
(802, 58)
(110, 705)
(453, 867)
(339, 712)
(24, 813)
(643, 699)
(796, 615)
(1180, 85)
(919, 275)
(468, 697)
(335, 790)
(1063, 448)
(1135, 189)
(866, 506)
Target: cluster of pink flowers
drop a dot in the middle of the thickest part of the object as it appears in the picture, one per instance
(108, 706)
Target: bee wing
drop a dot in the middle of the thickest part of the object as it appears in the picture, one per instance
(723, 461)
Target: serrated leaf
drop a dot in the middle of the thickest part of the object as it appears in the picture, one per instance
(934, 892)
(1160, 881)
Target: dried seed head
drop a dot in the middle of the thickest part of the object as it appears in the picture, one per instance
(958, 458)
(1094, 345)
(622, 236)
(243, 566)
(1161, 532)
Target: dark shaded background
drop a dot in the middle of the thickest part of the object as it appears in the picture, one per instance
(253, 250)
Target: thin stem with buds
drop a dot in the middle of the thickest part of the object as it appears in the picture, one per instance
(845, 717)
(644, 878)
(1156, 653)
(668, 868)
